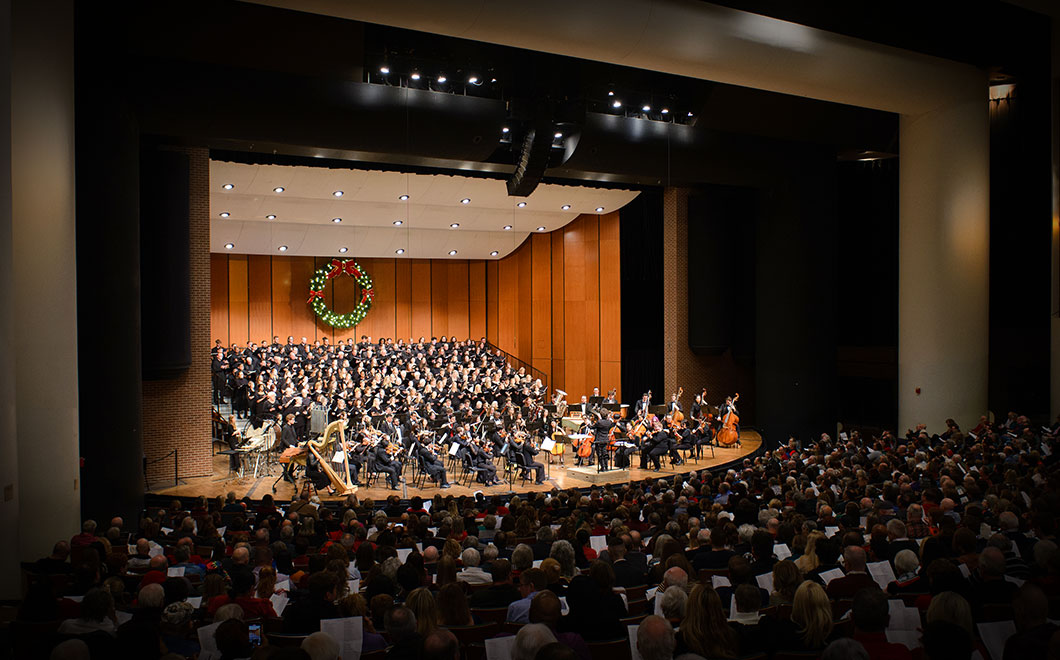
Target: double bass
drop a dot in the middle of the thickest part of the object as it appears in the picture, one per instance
(728, 435)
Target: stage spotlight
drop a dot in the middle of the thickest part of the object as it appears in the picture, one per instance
(610, 93)
(558, 135)
(616, 104)
(442, 78)
(415, 75)
(646, 108)
(665, 111)
(384, 70)
(473, 80)
(690, 114)
(505, 129)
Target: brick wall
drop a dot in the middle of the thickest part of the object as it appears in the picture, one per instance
(176, 413)
(719, 374)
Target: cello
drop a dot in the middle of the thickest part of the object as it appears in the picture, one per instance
(728, 435)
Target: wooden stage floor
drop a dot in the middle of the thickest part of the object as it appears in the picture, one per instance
(221, 482)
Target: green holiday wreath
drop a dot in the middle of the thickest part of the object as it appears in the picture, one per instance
(320, 280)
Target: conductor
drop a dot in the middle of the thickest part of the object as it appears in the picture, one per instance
(601, 429)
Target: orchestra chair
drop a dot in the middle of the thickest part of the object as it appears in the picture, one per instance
(520, 469)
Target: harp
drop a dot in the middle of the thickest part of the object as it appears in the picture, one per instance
(335, 432)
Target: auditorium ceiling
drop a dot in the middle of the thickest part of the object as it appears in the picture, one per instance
(315, 211)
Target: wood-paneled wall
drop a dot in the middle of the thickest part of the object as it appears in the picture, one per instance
(554, 302)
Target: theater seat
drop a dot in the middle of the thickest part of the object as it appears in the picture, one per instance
(617, 649)
(490, 614)
(477, 633)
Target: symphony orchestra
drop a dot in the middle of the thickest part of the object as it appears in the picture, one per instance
(438, 403)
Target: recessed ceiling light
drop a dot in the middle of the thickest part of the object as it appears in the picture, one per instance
(521, 204)
(646, 108)
(403, 198)
(398, 223)
(384, 70)
(599, 209)
(442, 78)
(224, 214)
(565, 207)
(399, 251)
(455, 225)
(558, 135)
(343, 249)
(610, 93)
(278, 189)
(338, 193)
(690, 114)
(507, 227)
(336, 220)
(466, 200)
(415, 76)
(616, 104)
(282, 248)
(505, 129)
(452, 253)
(493, 80)
(473, 80)
(665, 111)
(229, 246)
(270, 217)
(494, 253)
(541, 229)
(228, 186)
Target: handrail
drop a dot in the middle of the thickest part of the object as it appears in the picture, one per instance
(517, 363)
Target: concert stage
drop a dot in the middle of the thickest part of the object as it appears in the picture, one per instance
(557, 476)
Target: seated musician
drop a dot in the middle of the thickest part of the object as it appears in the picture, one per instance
(660, 444)
(482, 460)
(682, 441)
(703, 435)
(289, 439)
(524, 446)
(316, 474)
(233, 439)
(624, 447)
(433, 465)
(387, 465)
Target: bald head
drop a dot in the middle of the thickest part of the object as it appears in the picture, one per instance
(854, 558)
(241, 555)
(675, 577)
(655, 638)
(430, 554)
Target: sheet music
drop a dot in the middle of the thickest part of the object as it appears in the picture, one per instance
(598, 543)
(403, 554)
(279, 603)
(175, 571)
(207, 643)
(882, 573)
(902, 616)
(348, 632)
(828, 576)
(994, 636)
(194, 601)
(908, 638)
(830, 531)
(719, 581)
(781, 550)
(633, 652)
(765, 581)
(498, 648)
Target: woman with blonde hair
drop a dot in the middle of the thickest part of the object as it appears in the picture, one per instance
(266, 582)
(810, 624)
(705, 630)
(421, 602)
(951, 607)
(809, 561)
(452, 549)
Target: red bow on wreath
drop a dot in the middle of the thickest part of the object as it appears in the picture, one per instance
(338, 267)
(315, 294)
(366, 295)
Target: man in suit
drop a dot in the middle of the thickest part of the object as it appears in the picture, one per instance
(288, 438)
(627, 574)
(529, 451)
(601, 428)
(583, 406)
(386, 465)
(856, 578)
(434, 467)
